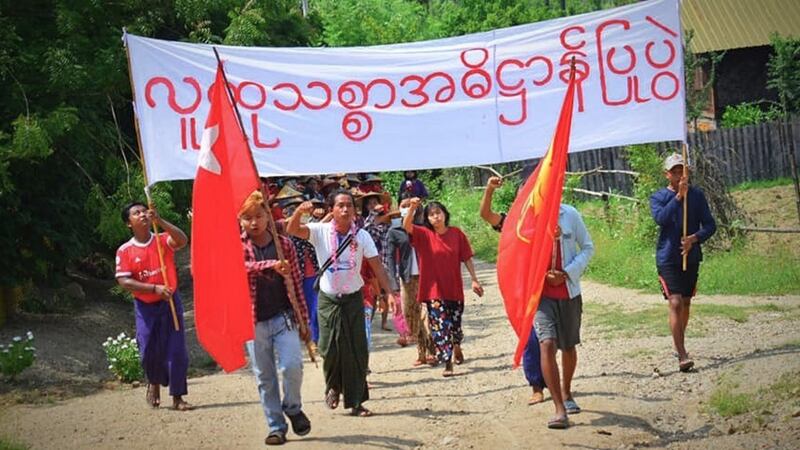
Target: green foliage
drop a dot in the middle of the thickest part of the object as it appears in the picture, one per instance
(746, 113)
(621, 259)
(17, 355)
(121, 293)
(68, 158)
(783, 70)
(9, 444)
(762, 184)
(693, 63)
(370, 22)
(122, 354)
(645, 160)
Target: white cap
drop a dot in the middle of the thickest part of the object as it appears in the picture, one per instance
(673, 160)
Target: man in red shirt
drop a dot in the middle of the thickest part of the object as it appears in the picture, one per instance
(162, 349)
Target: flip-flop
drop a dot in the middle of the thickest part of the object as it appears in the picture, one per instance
(686, 365)
(571, 406)
(360, 411)
(332, 399)
(182, 406)
(536, 399)
(558, 423)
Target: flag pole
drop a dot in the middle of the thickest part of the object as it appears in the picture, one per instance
(164, 274)
(685, 202)
(273, 229)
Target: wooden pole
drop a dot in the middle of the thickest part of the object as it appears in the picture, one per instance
(164, 275)
(685, 200)
(273, 229)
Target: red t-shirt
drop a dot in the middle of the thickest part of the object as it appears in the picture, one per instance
(559, 292)
(140, 261)
(440, 257)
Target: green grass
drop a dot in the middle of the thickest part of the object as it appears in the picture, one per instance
(727, 400)
(727, 403)
(464, 206)
(621, 260)
(8, 444)
(761, 184)
(639, 353)
(614, 321)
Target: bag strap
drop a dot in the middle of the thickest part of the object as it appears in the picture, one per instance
(343, 245)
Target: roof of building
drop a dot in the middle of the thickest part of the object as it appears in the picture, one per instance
(729, 24)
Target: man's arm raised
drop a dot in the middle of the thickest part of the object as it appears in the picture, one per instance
(294, 227)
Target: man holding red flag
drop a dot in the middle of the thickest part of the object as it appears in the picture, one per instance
(535, 222)
(225, 177)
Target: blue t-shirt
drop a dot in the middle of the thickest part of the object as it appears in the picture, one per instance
(668, 214)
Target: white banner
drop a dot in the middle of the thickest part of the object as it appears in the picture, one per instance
(482, 98)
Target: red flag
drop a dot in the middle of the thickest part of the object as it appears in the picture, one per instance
(526, 242)
(225, 177)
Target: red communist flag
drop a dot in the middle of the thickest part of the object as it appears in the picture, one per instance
(225, 177)
(526, 242)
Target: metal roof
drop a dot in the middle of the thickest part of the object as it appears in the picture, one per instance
(729, 24)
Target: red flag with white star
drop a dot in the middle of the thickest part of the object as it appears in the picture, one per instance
(225, 177)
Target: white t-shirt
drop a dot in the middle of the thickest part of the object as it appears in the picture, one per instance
(343, 276)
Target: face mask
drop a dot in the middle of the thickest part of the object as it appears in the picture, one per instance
(397, 222)
(305, 218)
(403, 212)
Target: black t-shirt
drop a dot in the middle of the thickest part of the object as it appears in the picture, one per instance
(271, 296)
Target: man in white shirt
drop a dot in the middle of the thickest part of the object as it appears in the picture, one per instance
(342, 339)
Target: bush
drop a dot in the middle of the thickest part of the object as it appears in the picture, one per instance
(746, 113)
(17, 356)
(122, 354)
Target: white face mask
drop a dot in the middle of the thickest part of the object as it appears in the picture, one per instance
(396, 222)
(403, 212)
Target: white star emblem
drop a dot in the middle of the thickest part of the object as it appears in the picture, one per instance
(207, 160)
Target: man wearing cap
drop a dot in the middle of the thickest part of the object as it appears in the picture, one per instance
(678, 285)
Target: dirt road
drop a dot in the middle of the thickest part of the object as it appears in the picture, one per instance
(485, 406)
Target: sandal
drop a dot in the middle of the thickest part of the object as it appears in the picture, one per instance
(360, 411)
(332, 399)
(686, 365)
(153, 395)
(558, 423)
(571, 406)
(181, 405)
(536, 398)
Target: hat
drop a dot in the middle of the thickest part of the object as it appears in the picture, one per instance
(383, 197)
(372, 178)
(673, 160)
(290, 201)
(317, 202)
(287, 191)
(328, 182)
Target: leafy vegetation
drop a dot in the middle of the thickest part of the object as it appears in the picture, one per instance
(748, 113)
(122, 354)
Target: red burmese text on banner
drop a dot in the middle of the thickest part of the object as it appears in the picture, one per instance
(225, 177)
(526, 241)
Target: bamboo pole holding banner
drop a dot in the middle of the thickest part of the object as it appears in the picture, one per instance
(685, 202)
(273, 229)
(164, 274)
